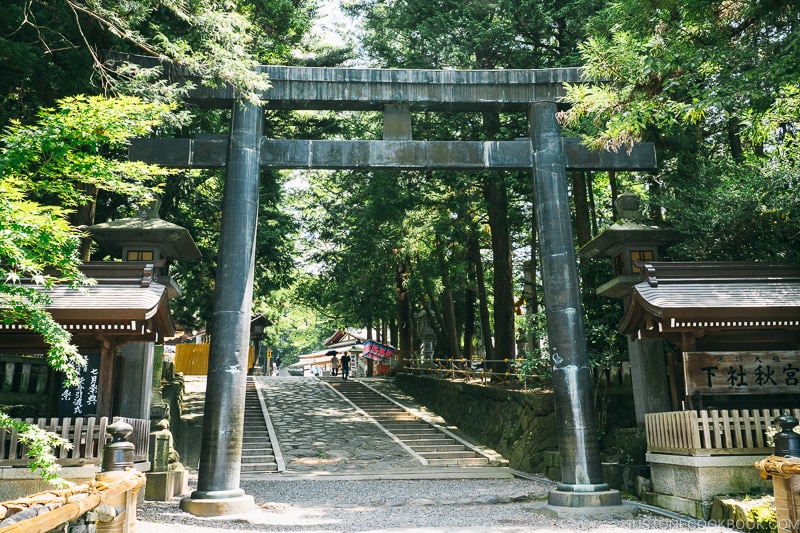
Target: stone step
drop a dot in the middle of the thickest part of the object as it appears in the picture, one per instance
(418, 434)
(467, 461)
(259, 467)
(412, 443)
(257, 459)
(389, 418)
(257, 448)
(400, 426)
(423, 449)
(463, 454)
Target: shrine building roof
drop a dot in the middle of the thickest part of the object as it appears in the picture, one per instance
(127, 300)
(675, 297)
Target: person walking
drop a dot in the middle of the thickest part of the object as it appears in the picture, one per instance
(334, 363)
(345, 363)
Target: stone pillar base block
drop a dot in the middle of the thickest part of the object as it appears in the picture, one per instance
(163, 486)
(603, 498)
(219, 507)
(625, 511)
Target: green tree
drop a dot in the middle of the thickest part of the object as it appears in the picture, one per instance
(714, 85)
(54, 160)
(212, 40)
(470, 35)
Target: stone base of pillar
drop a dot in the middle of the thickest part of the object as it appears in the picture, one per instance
(596, 498)
(163, 486)
(623, 511)
(209, 507)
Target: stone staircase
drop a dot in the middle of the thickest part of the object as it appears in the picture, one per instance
(257, 453)
(437, 447)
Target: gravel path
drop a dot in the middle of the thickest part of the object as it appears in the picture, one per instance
(330, 447)
(422, 506)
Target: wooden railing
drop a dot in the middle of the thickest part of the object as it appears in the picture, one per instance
(87, 436)
(712, 432)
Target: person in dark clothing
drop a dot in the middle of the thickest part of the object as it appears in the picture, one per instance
(345, 365)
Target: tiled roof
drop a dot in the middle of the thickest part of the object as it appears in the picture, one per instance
(126, 303)
(680, 297)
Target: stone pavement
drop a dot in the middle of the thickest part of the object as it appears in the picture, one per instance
(344, 474)
(321, 433)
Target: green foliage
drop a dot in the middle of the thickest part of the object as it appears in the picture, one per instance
(536, 362)
(743, 212)
(40, 443)
(211, 40)
(481, 35)
(81, 143)
(33, 237)
(54, 160)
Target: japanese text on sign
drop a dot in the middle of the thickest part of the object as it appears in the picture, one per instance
(742, 372)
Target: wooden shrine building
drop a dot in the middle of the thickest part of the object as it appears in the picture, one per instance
(735, 328)
(733, 367)
(116, 325)
(126, 305)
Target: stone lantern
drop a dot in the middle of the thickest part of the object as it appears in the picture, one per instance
(257, 325)
(427, 336)
(145, 238)
(149, 240)
(627, 241)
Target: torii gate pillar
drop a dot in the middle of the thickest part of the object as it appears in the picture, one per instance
(218, 491)
(581, 474)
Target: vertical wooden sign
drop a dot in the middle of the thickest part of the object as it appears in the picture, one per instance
(81, 400)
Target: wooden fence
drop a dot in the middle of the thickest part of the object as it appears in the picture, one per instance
(87, 436)
(712, 432)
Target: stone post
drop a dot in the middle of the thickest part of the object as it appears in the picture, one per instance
(218, 492)
(581, 473)
(117, 465)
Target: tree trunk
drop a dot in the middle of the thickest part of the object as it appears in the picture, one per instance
(405, 324)
(592, 206)
(483, 301)
(582, 217)
(612, 181)
(435, 319)
(84, 216)
(469, 311)
(496, 197)
(735, 140)
(448, 308)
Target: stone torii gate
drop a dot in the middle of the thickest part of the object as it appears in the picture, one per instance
(397, 93)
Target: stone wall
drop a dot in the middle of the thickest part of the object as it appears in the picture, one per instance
(520, 425)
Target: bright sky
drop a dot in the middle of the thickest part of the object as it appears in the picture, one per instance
(330, 23)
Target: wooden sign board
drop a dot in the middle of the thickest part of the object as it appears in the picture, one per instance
(742, 372)
(81, 401)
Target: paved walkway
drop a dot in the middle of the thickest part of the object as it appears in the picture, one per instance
(319, 432)
(345, 474)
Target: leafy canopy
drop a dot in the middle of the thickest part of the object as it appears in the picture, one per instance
(79, 143)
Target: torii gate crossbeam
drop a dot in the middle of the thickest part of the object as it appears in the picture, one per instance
(398, 93)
